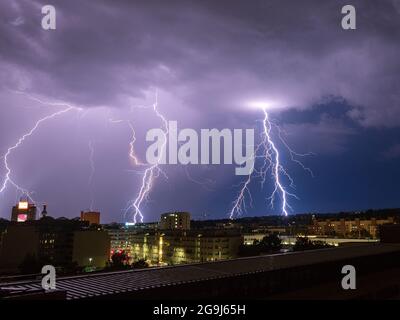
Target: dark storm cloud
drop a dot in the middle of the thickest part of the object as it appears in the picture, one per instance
(212, 54)
(208, 59)
(328, 136)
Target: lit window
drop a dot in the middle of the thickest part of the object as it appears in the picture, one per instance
(23, 205)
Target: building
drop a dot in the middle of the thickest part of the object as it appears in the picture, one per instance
(178, 247)
(356, 227)
(175, 247)
(333, 241)
(253, 238)
(175, 221)
(3, 227)
(90, 248)
(256, 235)
(93, 217)
(23, 211)
(60, 242)
(173, 243)
(121, 239)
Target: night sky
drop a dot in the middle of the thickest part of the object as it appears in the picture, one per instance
(336, 94)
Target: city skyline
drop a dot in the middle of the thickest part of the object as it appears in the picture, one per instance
(335, 94)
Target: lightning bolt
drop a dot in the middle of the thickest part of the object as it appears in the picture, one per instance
(150, 174)
(206, 184)
(273, 157)
(239, 204)
(132, 155)
(268, 151)
(92, 172)
(7, 178)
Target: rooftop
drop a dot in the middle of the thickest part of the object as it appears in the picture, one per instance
(101, 284)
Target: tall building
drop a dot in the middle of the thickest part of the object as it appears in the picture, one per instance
(121, 236)
(23, 211)
(121, 239)
(93, 217)
(61, 242)
(175, 221)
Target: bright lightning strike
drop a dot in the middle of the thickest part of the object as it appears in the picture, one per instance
(8, 179)
(132, 155)
(151, 173)
(273, 157)
(268, 151)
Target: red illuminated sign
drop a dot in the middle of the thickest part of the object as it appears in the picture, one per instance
(22, 217)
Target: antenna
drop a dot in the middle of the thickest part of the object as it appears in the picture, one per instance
(44, 211)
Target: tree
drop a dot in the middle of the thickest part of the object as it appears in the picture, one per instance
(270, 243)
(304, 243)
(119, 260)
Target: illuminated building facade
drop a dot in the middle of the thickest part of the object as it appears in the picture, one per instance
(173, 243)
(23, 211)
(175, 221)
(177, 247)
(121, 236)
(121, 239)
(252, 238)
(349, 227)
(93, 217)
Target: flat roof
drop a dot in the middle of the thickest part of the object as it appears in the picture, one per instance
(108, 283)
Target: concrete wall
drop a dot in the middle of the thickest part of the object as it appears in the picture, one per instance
(94, 245)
